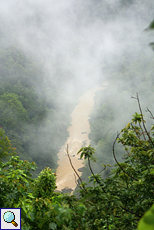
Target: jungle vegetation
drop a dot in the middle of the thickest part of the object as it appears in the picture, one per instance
(120, 198)
(123, 200)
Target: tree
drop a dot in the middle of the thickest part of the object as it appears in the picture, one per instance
(15, 179)
(116, 202)
(13, 114)
(44, 184)
(120, 200)
(6, 149)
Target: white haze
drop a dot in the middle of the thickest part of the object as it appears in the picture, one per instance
(83, 40)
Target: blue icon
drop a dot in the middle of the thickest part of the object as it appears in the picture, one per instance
(9, 217)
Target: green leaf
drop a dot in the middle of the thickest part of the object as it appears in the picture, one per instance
(151, 26)
(52, 226)
(147, 221)
(81, 209)
(152, 171)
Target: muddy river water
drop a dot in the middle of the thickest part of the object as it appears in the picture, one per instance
(78, 135)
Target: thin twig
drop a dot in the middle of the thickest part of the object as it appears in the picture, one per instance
(148, 110)
(98, 182)
(101, 170)
(137, 98)
(118, 162)
(129, 211)
(77, 183)
(74, 168)
(90, 167)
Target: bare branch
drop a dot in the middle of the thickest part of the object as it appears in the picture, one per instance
(77, 183)
(101, 170)
(94, 175)
(90, 166)
(137, 98)
(74, 168)
(130, 211)
(91, 169)
(147, 110)
(117, 161)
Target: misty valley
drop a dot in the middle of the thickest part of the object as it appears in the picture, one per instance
(76, 114)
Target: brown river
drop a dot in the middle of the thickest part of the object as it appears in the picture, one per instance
(78, 136)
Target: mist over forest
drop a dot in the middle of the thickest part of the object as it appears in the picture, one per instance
(52, 55)
(53, 52)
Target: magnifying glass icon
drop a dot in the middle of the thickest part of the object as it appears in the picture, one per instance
(9, 217)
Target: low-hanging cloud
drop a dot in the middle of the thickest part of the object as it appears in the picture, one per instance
(76, 38)
(79, 44)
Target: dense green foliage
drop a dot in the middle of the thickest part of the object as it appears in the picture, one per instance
(5, 146)
(117, 202)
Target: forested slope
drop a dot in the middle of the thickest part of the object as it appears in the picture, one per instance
(121, 201)
(30, 112)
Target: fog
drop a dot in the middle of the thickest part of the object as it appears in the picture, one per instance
(81, 44)
(78, 39)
